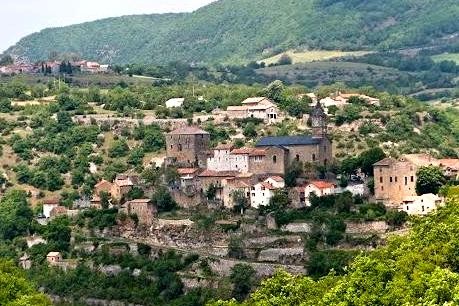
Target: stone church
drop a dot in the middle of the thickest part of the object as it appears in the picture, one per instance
(281, 151)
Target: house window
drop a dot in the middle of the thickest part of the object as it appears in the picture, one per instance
(412, 179)
(390, 179)
(423, 208)
(180, 147)
(274, 159)
(297, 157)
(396, 179)
(406, 180)
(253, 188)
(263, 188)
(381, 179)
(407, 208)
(313, 157)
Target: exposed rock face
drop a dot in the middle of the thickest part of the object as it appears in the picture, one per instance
(223, 267)
(298, 227)
(284, 256)
(376, 227)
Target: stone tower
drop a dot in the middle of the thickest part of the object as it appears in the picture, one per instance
(319, 121)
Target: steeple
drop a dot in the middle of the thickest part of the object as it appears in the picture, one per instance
(319, 121)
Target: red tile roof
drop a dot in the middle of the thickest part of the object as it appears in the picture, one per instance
(211, 173)
(242, 151)
(322, 184)
(267, 185)
(186, 171)
(277, 178)
(258, 152)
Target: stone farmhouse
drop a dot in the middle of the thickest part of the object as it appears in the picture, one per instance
(256, 107)
(142, 208)
(187, 147)
(395, 179)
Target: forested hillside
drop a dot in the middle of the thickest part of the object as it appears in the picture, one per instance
(241, 30)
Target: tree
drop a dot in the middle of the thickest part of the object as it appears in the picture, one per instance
(285, 59)
(429, 180)
(163, 200)
(250, 130)
(15, 214)
(294, 171)
(240, 200)
(119, 148)
(211, 192)
(5, 105)
(16, 290)
(368, 158)
(274, 91)
(243, 279)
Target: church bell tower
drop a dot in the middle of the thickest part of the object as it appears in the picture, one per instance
(319, 121)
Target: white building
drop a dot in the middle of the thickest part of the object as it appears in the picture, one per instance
(422, 205)
(48, 206)
(175, 102)
(256, 107)
(319, 188)
(227, 159)
(261, 193)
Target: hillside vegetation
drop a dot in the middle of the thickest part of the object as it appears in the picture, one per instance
(241, 30)
(419, 269)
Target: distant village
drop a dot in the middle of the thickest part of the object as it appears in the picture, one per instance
(54, 67)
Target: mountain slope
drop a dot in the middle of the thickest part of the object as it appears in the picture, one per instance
(240, 30)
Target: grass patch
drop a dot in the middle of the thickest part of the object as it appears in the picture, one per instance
(446, 57)
(311, 56)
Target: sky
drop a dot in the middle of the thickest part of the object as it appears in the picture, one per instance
(22, 17)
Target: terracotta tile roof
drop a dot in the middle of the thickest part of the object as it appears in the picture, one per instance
(187, 171)
(419, 159)
(242, 151)
(189, 130)
(449, 163)
(277, 178)
(238, 184)
(322, 184)
(385, 162)
(267, 185)
(211, 173)
(123, 180)
(258, 152)
(103, 183)
(51, 201)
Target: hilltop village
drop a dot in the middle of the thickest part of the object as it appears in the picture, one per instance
(186, 188)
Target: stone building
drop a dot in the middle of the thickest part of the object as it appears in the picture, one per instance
(256, 107)
(188, 147)
(395, 179)
(282, 151)
(143, 208)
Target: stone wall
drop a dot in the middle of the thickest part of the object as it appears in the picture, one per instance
(376, 227)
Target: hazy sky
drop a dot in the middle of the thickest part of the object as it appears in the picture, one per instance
(23, 17)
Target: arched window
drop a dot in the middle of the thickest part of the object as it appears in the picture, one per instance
(180, 148)
(313, 157)
(297, 157)
(274, 159)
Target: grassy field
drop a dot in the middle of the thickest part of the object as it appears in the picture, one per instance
(311, 56)
(446, 57)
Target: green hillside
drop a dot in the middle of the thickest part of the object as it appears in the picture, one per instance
(241, 30)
